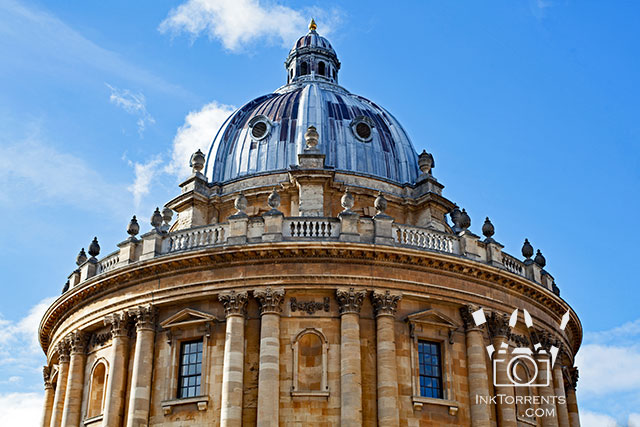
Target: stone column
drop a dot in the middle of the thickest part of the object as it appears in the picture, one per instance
(117, 377)
(558, 384)
(572, 402)
(350, 302)
(499, 329)
(235, 306)
(546, 393)
(269, 374)
(385, 305)
(75, 382)
(48, 397)
(140, 395)
(61, 385)
(477, 375)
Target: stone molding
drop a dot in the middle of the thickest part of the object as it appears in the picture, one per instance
(385, 304)
(498, 325)
(235, 303)
(63, 351)
(309, 307)
(270, 300)
(350, 300)
(144, 316)
(119, 324)
(78, 341)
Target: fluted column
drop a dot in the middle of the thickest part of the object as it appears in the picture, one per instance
(270, 301)
(235, 305)
(48, 397)
(558, 385)
(117, 377)
(477, 375)
(572, 402)
(140, 395)
(499, 329)
(350, 303)
(75, 382)
(385, 305)
(61, 384)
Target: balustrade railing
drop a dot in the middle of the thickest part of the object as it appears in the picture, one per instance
(311, 228)
(512, 264)
(108, 263)
(425, 239)
(197, 237)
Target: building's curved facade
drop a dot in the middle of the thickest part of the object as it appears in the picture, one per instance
(310, 278)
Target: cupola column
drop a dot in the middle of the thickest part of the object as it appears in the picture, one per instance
(477, 375)
(385, 305)
(546, 392)
(572, 402)
(75, 383)
(558, 383)
(270, 301)
(350, 302)
(48, 397)
(61, 384)
(117, 378)
(235, 306)
(499, 329)
(140, 395)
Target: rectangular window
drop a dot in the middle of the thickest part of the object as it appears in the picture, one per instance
(190, 375)
(430, 361)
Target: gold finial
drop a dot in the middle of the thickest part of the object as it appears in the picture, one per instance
(312, 25)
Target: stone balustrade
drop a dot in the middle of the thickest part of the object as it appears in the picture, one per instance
(108, 263)
(313, 228)
(425, 239)
(197, 237)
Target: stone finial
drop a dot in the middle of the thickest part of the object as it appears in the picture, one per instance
(488, 230)
(498, 324)
(465, 220)
(455, 218)
(235, 303)
(270, 300)
(311, 138)
(81, 258)
(94, 248)
(274, 200)
(167, 214)
(426, 162)
(380, 203)
(240, 203)
(385, 304)
(65, 288)
(133, 228)
(77, 341)
(539, 259)
(144, 316)
(197, 161)
(156, 219)
(527, 250)
(347, 201)
(350, 300)
(119, 323)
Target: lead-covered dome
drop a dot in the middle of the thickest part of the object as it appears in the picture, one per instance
(356, 135)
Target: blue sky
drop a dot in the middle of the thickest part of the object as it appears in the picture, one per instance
(530, 108)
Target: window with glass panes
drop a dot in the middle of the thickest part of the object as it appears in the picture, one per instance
(190, 376)
(430, 360)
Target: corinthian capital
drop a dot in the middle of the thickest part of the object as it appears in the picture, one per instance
(46, 376)
(385, 303)
(466, 313)
(62, 347)
(78, 341)
(144, 316)
(498, 324)
(119, 323)
(270, 300)
(572, 377)
(235, 303)
(350, 300)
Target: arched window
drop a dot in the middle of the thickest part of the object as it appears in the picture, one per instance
(304, 69)
(524, 407)
(321, 68)
(97, 389)
(334, 74)
(310, 364)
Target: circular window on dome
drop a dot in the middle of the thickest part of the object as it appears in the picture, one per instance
(259, 127)
(362, 128)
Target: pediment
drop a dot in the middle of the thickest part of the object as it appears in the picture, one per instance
(187, 317)
(432, 317)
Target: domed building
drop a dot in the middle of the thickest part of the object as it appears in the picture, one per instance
(311, 273)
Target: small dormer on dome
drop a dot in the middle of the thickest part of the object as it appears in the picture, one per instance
(312, 58)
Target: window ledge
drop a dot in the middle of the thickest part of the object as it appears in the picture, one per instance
(92, 420)
(310, 393)
(201, 401)
(527, 420)
(419, 401)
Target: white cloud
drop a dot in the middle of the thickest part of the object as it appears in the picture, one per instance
(20, 409)
(237, 23)
(197, 132)
(593, 419)
(134, 104)
(634, 420)
(144, 174)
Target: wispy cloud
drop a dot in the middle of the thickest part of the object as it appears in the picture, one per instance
(144, 174)
(237, 23)
(20, 409)
(197, 132)
(134, 104)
